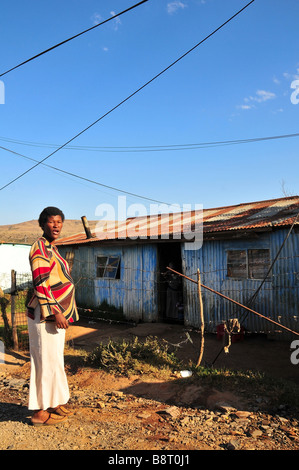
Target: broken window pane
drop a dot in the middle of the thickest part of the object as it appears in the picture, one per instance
(108, 267)
(258, 263)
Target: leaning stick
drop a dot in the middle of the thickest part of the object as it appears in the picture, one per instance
(237, 303)
(202, 324)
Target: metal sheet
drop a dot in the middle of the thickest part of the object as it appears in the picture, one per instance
(135, 293)
(242, 217)
(278, 299)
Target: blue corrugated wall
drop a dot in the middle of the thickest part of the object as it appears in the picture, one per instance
(278, 299)
(136, 290)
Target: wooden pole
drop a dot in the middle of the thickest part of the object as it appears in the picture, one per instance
(13, 311)
(202, 322)
(86, 227)
(237, 303)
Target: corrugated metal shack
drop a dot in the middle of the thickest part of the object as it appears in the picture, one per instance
(122, 264)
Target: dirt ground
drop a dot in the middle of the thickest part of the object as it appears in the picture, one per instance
(139, 413)
(255, 352)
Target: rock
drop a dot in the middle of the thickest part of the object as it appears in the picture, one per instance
(144, 415)
(185, 421)
(173, 411)
(255, 433)
(242, 414)
(224, 407)
(117, 394)
(283, 420)
(233, 445)
(100, 404)
(119, 407)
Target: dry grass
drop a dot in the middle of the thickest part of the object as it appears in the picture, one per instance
(28, 232)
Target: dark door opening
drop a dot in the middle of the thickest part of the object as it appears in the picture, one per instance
(170, 287)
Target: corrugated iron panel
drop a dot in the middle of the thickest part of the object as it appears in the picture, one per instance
(278, 299)
(285, 280)
(136, 290)
(249, 216)
(82, 273)
(140, 279)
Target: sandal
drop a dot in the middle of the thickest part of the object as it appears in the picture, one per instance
(61, 411)
(51, 420)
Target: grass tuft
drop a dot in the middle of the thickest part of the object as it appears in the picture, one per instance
(134, 357)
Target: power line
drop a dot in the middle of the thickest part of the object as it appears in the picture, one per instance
(150, 148)
(128, 97)
(154, 148)
(73, 37)
(83, 178)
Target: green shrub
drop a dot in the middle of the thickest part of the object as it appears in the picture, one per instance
(134, 357)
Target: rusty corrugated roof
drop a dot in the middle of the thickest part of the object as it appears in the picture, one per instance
(247, 216)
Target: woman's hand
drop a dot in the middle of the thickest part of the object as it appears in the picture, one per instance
(60, 321)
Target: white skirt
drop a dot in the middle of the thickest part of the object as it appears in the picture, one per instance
(48, 382)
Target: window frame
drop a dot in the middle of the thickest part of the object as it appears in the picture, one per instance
(250, 265)
(108, 268)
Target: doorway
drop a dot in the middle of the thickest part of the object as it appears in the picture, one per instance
(170, 287)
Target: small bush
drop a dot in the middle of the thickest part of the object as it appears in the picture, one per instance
(133, 357)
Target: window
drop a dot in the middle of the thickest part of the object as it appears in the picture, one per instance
(237, 263)
(258, 263)
(108, 267)
(248, 264)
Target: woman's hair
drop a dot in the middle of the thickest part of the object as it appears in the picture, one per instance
(48, 212)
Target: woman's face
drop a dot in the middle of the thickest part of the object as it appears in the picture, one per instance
(53, 227)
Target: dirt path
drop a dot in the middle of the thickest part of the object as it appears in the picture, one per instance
(138, 413)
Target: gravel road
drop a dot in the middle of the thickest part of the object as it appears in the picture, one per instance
(118, 414)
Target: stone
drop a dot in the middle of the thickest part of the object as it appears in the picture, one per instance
(101, 404)
(224, 407)
(172, 411)
(242, 414)
(255, 433)
(233, 445)
(144, 415)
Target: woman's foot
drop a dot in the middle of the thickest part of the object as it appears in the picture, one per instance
(61, 410)
(44, 418)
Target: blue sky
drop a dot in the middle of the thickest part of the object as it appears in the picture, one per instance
(237, 85)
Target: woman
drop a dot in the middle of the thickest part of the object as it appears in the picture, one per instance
(49, 311)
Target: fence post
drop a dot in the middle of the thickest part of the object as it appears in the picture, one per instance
(202, 323)
(13, 311)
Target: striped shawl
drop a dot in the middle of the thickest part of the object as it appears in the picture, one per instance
(54, 288)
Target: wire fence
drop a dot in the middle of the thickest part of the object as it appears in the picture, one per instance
(13, 319)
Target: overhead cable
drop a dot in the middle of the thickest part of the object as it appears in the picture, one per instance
(152, 148)
(128, 97)
(84, 179)
(73, 37)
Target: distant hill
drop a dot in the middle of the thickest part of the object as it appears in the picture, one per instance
(28, 232)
